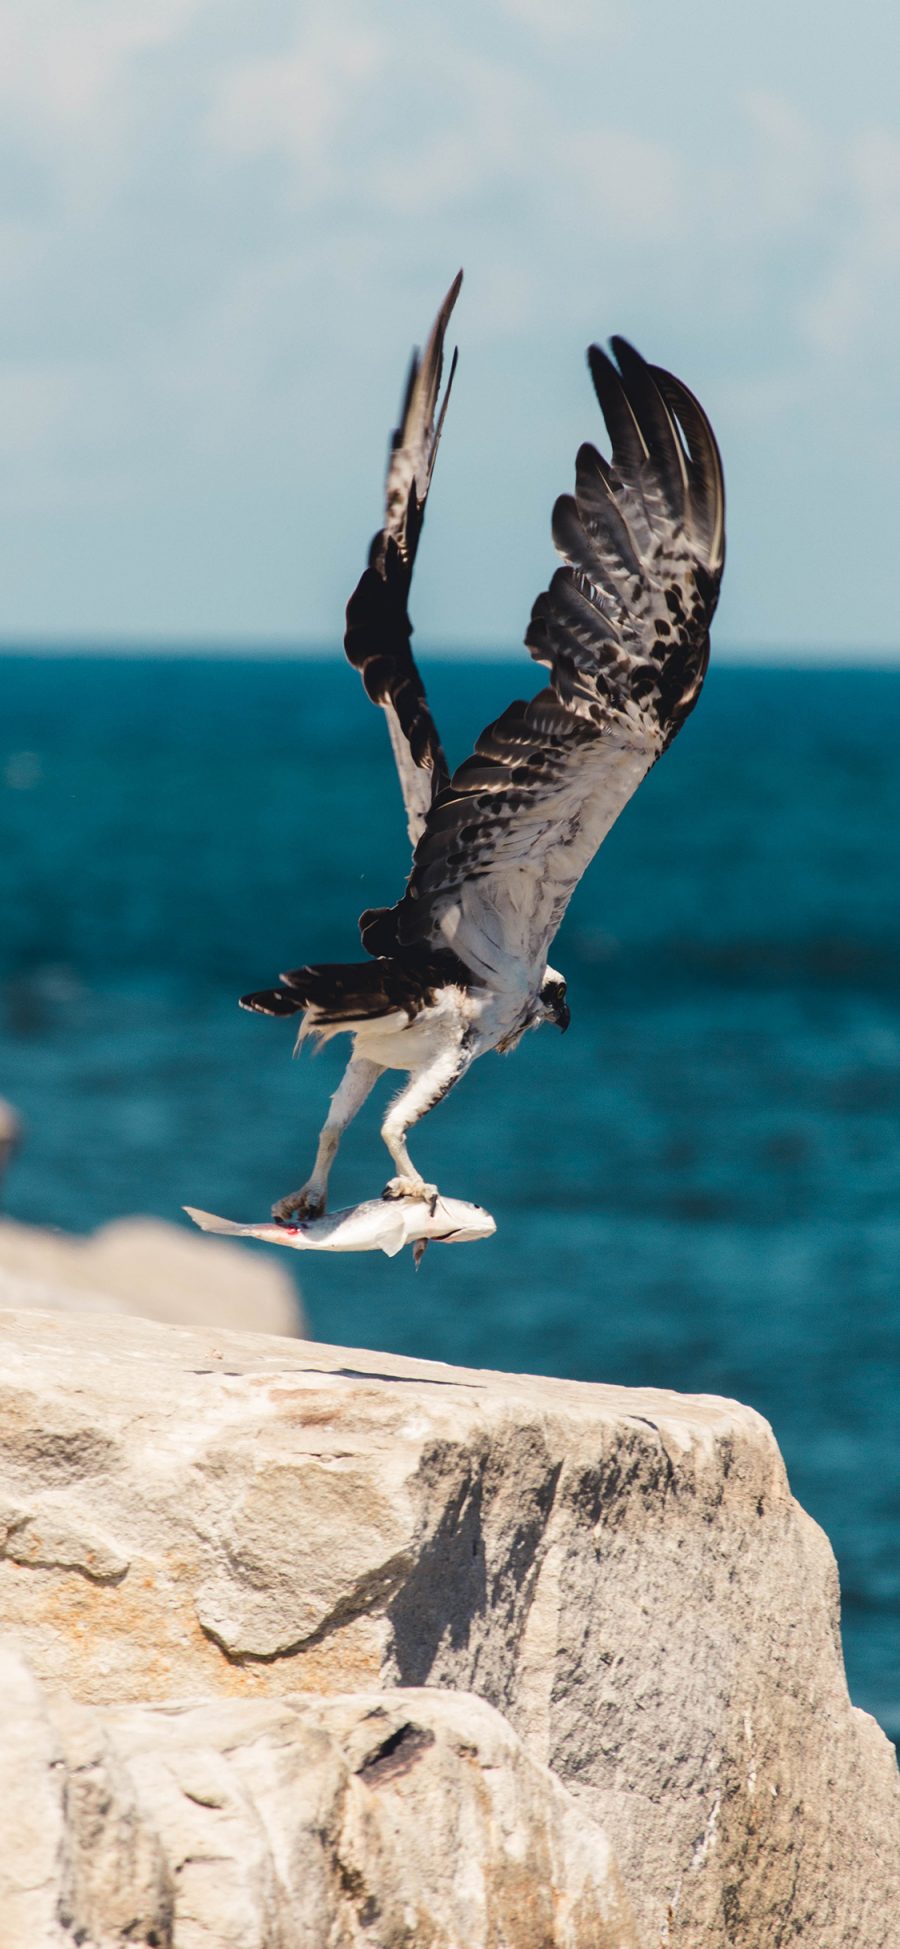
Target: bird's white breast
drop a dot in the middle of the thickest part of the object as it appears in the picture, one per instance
(482, 1017)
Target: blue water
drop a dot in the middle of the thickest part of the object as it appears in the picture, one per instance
(698, 1187)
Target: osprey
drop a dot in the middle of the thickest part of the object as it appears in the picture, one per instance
(459, 965)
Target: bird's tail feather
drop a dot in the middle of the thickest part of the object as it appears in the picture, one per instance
(335, 995)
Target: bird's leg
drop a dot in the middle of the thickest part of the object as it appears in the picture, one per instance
(309, 1202)
(421, 1094)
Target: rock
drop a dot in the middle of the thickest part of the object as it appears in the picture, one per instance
(403, 1820)
(624, 1574)
(144, 1266)
(10, 1135)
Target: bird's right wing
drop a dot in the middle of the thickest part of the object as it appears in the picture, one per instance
(624, 631)
(379, 632)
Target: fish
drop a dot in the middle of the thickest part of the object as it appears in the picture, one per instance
(378, 1225)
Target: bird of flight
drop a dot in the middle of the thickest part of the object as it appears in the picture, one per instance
(459, 966)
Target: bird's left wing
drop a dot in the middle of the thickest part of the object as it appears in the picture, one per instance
(379, 632)
(624, 631)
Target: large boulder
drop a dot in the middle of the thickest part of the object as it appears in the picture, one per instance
(145, 1266)
(624, 1574)
(410, 1820)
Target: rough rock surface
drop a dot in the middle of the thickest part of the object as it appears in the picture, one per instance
(144, 1266)
(413, 1820)
(624, 1574)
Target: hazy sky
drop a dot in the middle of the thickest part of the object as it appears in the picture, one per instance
(224, 222)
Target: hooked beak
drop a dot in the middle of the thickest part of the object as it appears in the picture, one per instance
(563, 1017)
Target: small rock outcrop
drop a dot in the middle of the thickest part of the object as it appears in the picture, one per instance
(144, 1266)
(623, 1574)
(410, 1820)
(10, 1136)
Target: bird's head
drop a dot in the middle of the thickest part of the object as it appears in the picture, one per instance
(553, 999)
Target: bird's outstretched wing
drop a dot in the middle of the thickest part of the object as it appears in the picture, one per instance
(379, 632)
(624, 632)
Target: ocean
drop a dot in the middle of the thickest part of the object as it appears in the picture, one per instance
(697, 1187)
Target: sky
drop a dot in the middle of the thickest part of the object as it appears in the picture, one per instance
(224, 223)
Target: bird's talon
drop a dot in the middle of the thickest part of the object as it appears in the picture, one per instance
(298, 1208)
(411, 1188)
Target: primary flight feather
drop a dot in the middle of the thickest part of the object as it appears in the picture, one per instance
(459, 965)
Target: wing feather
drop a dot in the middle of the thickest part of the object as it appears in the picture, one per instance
(378, 639)
(624, 631)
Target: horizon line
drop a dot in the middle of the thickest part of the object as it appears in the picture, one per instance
(738, 655)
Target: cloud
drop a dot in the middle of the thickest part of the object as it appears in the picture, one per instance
(299, 102)
(790, 167)
(637, 190)
(355, 110)
(856, 302)
(582, 20)
(64, 435)
(60, 65)
(74, 87)
(474, 148)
